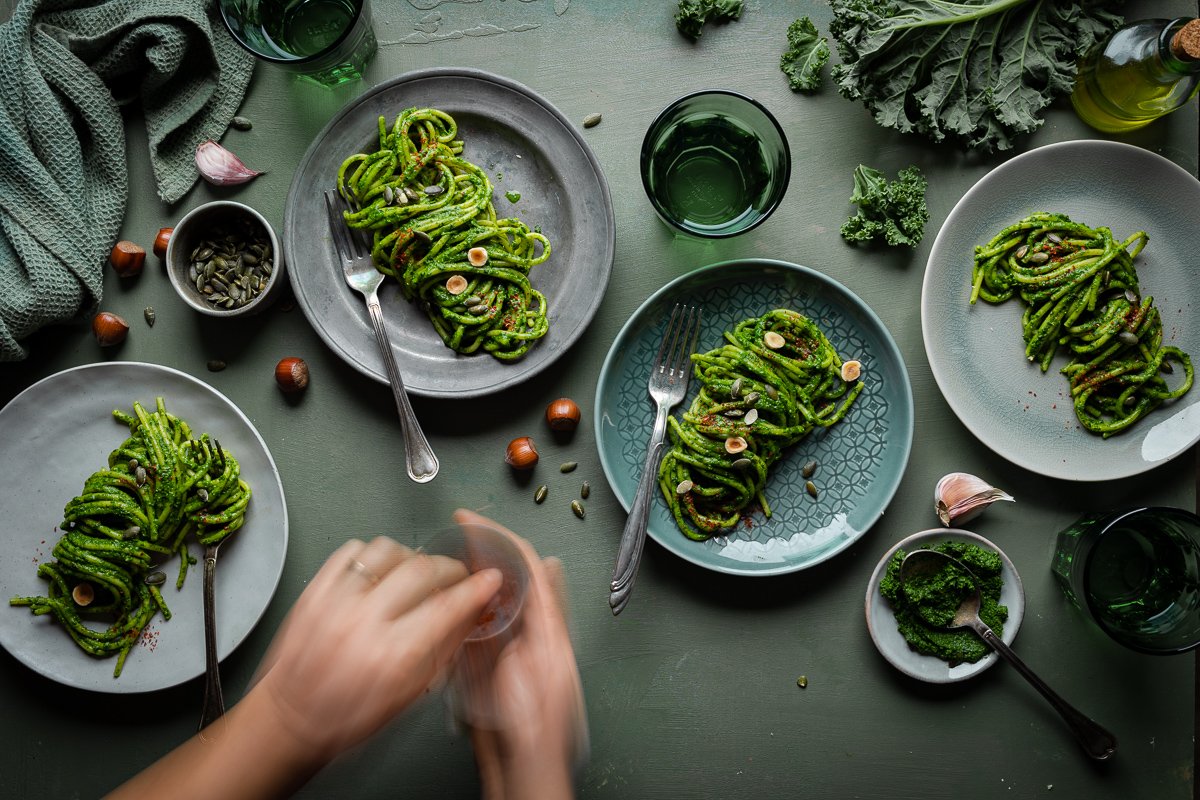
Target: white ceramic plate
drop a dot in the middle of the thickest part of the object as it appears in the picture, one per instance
(881, 622)
(976, 352)
(57, 433)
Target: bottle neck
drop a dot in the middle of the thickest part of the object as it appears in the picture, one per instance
(1176, 56)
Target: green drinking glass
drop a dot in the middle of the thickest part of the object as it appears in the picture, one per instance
(328, 42)
(1136, 573)
(715, 164)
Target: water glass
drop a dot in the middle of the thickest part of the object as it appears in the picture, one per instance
(324, 41)
(1136, 573)
(715, 164)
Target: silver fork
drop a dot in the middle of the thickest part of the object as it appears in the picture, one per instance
(668, 384)
(214, 700)
(363, 278)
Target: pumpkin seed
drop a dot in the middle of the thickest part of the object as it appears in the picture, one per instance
(218, 285)
(388, 197)
(811, 488)
(752, 399)
(216, 364)
(433, 190)
(1131, 295)
(591, 120)
(735, 388)
(400, 197)
(132, 532)
(155, 578)
(734, 412)
(802, 681)
(241, 123)
(422, 237)
(1039, 258)
(1021, 251)
(540, 494)
(577, 507)
(1053, 238)
(684, 486)
(585, 490)
(150, 316)
(411, 194)
(473, 300)
(751, 416)
(139, 475)
(202, 493)
(809, 468)
(477, 310)
(203, 253)
(743, 464)
(569, 466)
(1127, 337)
(771, 391)
(133, 464)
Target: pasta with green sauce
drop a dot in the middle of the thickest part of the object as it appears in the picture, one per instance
(434, 229)
(1081, 295)
(774, 380)
(161, 486)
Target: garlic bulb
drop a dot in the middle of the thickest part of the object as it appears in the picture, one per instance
(960, 497)
(220, 167)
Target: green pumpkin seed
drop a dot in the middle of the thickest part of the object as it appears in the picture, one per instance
(241, 123)
(473, 300)
(585, 490)
(477, 310)
(150, 316)
(752, 399)
(809, 468)
(771, 391)
(811, 488)
(591, 120)
(569, 466)
(155, 579)
(388, 197)
(743, 464)
(802, 681)
(751, 416)
(434, 190)
(684, 486)
(577, 507)
(540, 494)
(735, 388)
(216, 365)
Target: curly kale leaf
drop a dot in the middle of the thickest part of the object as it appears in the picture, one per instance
(892, 210)
(975, 71)
(807, 52)
(692, 14)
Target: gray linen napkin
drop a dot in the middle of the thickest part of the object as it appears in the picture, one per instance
(66, 67)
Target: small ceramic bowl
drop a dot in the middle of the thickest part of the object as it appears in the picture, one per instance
(208, 225)
(881, 622)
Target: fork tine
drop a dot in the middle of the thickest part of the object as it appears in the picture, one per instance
(690, 335)
(354, 239)
(337, 225)
(666, 337)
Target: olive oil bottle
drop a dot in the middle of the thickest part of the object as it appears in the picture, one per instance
(1145, 70)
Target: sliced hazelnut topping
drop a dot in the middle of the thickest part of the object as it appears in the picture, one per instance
(477, 256)
(851, 370)
(83, 594)
(735, 444)
(773, 340)
(456, 284)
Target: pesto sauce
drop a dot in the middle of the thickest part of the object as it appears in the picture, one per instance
(513, 196)
(927, 604)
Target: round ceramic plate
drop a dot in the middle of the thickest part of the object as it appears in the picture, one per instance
(53, 436)
(525, 145)
(976, 352)
(860, 459)
(881, 622)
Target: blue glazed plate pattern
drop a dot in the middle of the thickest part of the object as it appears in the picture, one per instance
(860, 460)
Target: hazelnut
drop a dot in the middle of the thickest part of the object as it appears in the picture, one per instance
(521, 453)
(456, 284)
(161, 241)
(477, 256)
(109, 328)
(851, 370)
(562, 414)
(83, 594)
(127, 258)
(291, 374)
(735, 444)
(773, 340)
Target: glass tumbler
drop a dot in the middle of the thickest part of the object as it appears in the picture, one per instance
(1136, 573)
(323, 41)
(715, 164)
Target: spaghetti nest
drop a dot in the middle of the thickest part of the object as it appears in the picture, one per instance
(431, 218)
(160, 486)
(1081, 294)
(759, 395)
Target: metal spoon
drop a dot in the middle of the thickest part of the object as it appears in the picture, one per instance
(1096, 741)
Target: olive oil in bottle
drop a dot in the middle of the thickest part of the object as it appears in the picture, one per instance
(1145, 70)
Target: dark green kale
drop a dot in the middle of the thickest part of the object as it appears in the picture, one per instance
(975, 71)
(892, 210)
(807, 52)
(692, 14)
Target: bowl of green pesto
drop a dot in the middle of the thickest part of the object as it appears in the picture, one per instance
(898, 617)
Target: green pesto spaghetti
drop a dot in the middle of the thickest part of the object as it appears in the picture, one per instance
(160, 486)
(434, 229)
(1081, 295)
(774, 380)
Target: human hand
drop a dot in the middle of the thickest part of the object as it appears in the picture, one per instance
(377, 625)
(536, 726)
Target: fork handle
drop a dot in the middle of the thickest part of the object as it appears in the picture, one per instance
(214, 701)
(633, 538)
(419, 459)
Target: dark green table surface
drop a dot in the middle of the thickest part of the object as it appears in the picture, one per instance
(692, 691)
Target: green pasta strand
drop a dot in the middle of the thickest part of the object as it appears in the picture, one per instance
(787, 391)
(1082, 296)
(161, 486)
(430, 215)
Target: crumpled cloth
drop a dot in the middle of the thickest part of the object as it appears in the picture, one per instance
(66, 68)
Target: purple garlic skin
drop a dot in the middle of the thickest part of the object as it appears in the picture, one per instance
(960, 497)
(220, 167)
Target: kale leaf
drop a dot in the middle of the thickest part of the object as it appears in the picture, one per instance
(807, 52)
(975, 71)
(892, 210)
(692, 14)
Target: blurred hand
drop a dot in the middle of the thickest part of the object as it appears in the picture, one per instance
(537, 726)
(373, 630)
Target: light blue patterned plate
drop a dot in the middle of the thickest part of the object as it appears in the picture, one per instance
(860, 460)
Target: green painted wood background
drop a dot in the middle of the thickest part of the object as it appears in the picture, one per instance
(692, 692)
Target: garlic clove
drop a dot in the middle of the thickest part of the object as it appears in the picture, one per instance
(220, 167)
(960, 497)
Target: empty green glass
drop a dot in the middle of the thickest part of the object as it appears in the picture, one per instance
(1136, 573)
(325, 41)
(715, 164)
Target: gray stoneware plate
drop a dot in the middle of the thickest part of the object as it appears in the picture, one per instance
(525, 145)
(976, 352)
(57, 433)
(881, 621)
(860, 460)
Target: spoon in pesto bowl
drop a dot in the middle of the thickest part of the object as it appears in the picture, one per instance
(917, 571)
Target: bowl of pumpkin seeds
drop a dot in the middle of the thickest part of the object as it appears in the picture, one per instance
(223, 259)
